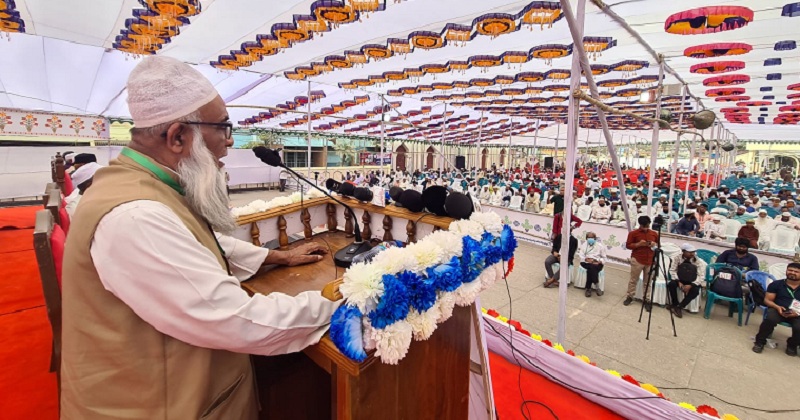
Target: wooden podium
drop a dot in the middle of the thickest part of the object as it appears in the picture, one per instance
(431, 382)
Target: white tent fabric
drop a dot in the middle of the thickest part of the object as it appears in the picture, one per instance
(66, 61)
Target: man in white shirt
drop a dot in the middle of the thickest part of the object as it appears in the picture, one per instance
(592, 255)
(765, 225)
(155, 321)
(601, 213)
(714, 229)
(82, 179)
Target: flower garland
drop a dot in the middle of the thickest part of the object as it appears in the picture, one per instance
(259, 206)
(702, 409)
(404, 293)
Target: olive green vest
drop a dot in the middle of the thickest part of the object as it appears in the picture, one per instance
(116, 365)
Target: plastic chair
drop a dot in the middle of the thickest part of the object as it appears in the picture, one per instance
(732, 229)
(579, 278)
(783, 239)
(778, 270)
(762, 278)
(712, 296)
(516, 203)
(706, 255)
(669, 249)
(584, 212)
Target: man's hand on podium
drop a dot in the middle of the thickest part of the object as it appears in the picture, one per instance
(304, 254)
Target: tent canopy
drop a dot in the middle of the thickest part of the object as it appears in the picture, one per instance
(452, 70)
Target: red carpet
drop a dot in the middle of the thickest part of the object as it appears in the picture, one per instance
(21, 287)
(19, 217)
(565, 403)
(12, 240)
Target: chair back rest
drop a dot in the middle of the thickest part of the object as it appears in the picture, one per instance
(784, 238)
(707, 255)
(778, 270)
(670, 249)
(584, 212)
(724, 280)
(48, 245)
(516, 202)
(762, 277)
(54, 204)
(50, 186)
(732, 227)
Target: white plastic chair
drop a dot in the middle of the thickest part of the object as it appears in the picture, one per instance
(778, 270)
(670, 249)
(584, 212)
(516, 203)
(732, 229)
(578, 277)
(783, 239)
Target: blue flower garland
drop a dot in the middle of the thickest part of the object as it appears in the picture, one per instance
(346, 332)
(408, 290)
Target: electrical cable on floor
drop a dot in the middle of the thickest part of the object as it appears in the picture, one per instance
(788, 410)
(523, 408)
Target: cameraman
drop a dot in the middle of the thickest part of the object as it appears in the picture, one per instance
(687, 272)
(641, 242)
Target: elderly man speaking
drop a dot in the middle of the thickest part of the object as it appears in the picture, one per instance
(155, 322)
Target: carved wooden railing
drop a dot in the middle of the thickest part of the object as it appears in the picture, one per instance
(324, 214)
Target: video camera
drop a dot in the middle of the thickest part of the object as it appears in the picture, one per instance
(658, 222)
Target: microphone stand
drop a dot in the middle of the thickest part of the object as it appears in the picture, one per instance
(343, 257)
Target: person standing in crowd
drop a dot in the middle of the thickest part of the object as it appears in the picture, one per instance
(283, 176)
(641, 242)
(555, 256)
(687, 272)
(779, 297)
(593, 257)
(739, 256)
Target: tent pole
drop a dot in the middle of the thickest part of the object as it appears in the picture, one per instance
(444, 132)
(699, 175)
(535, 138)
(689, 171)
(383, 136)
(577, 39)
(510, 126)
(308, 132)
(478, 155)
(675, 152)
(656, 133)
(569, 181)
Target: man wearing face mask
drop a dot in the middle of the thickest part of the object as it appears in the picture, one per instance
(687, 273)
(593, 256)
(780, 299)
(641, 243)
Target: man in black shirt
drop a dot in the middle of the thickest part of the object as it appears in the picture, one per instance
(778, 300)
(554, 257)
(739, 257)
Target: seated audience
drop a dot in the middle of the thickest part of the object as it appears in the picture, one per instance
(688, 225)
(739, 257)
(82, 178)
(749, 232)
(592, 256)
(778, 299)
(555, 256)
(687, 273)
(715, 229)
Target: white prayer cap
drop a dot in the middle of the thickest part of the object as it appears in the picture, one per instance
(162, 89)
(717, 218)
(743, 207)
(762, 211)
(663, 196)
(786, 214)
(85, 173)
(688, 248)
(690, 211)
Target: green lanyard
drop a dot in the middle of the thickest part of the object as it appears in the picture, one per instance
(150, 166)
(165, 178)
(791, 292)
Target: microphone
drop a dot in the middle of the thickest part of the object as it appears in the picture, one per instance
(343, 257)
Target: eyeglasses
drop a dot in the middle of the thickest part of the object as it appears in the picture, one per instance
(227, 126)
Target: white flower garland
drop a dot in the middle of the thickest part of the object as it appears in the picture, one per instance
(259, 206)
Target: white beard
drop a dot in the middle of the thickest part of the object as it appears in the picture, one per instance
(205, 186)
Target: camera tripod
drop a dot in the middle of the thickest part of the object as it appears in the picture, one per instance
(658, 265)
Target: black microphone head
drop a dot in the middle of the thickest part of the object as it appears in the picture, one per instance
(332, 184)
(434, 198)
(346, 189)
(395, 192)
(458, 206)
(412, 200)
(268, 156)
(363, 194)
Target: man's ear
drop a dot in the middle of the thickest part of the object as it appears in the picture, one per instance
(178, 138)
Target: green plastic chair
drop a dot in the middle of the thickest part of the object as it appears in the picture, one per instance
(706, 255)
(712, 297)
